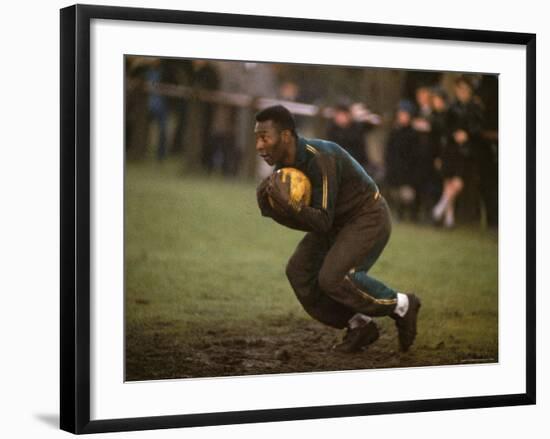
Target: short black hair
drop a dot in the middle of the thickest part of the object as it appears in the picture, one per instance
(280, 116)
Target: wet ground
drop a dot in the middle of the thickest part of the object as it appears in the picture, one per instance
(279, 347)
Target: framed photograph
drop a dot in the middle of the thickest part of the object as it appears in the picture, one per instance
(274, 218)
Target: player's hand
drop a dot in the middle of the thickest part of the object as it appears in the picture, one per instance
(261, 196)
(279, 191)
(261, 190)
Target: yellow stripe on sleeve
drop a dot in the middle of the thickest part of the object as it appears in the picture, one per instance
(324, 202)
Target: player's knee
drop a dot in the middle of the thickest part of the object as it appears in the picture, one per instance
(329, 281)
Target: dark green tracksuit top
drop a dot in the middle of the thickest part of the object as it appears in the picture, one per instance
(340, 186)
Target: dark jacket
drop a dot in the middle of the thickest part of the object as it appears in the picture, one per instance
(402, 157)
(352, 139)
(467, 117)
(341, 188)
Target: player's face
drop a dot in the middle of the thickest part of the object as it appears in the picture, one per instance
(403, 118)
(342, 119)
(269, 142)
(463, 92)
(438, 103)
(423, 97)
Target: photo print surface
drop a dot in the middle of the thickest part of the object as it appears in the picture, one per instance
(377, 249)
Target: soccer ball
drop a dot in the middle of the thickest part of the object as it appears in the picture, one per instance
(300, 186)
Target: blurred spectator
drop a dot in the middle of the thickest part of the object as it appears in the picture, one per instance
(459, 167)
(226, 156)
(401, 162)
(423, 96)
(289, 91)
(157, 105)
(178, 72)
(205, 77)
(348, 128)
(428, 182)
(439, 125)
(439, 104)
(137, 113)
(232, 124)
(414, 80)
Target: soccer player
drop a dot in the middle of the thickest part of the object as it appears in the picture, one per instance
(348, 225)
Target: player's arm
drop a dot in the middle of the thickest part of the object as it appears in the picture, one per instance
(268, 211)
(317, 217)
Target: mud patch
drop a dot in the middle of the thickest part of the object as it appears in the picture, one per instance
(297, 347)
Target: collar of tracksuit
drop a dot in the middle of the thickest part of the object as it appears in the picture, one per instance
(300, 151)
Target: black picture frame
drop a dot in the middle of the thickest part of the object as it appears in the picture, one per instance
(75, 217)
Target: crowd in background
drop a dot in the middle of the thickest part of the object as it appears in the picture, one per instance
(440, 147)
(440, 150)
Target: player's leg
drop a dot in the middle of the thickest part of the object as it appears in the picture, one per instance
(356, 248)
(457, 184)
(444, 209)
(344, 274)
(302, 272)
(401, 307)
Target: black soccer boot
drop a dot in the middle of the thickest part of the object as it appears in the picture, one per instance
(358, 338)
(406, 325)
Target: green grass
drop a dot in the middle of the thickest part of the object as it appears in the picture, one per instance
(201, 262)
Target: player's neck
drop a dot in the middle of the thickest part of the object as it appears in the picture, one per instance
(290, 156)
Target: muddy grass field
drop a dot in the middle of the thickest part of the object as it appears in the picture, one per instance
(206, 294)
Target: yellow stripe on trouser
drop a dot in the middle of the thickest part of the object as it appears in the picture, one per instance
(368, 296)
(325, 191)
